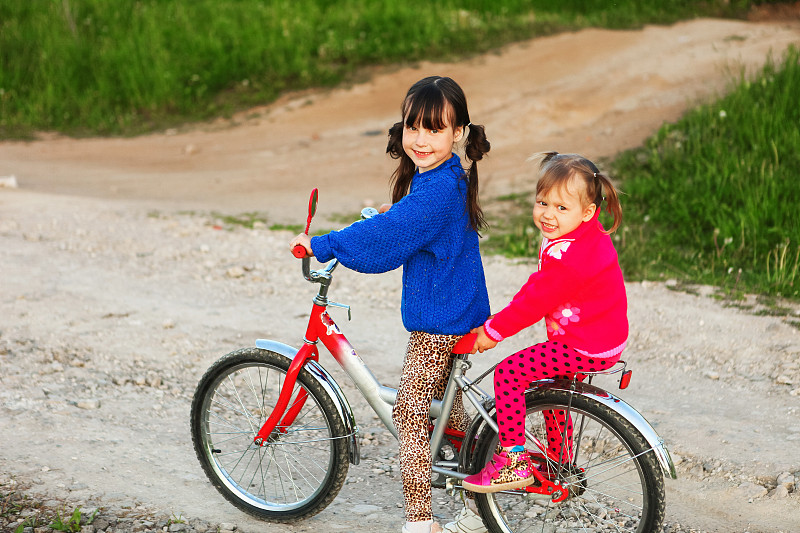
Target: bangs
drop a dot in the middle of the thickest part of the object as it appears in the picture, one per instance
(555, 174)
(550, 180)
(560, 177)
(429, 109)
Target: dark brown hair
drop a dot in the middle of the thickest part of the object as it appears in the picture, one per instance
(558, 170)
(437, 102)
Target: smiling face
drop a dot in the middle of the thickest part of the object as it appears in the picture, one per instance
(561, 210)
(430, 147)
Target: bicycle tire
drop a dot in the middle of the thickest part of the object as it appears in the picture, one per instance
(297, 473)
(616, 481)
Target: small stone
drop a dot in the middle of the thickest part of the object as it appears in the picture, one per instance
(235, 272)
(752, 490)
(52, 368)
(88, 404)
(780, 492)
(364, 508)
(786, 479)
(9, 182)
(153, 379)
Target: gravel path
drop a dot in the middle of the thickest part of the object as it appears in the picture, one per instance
(111, 314)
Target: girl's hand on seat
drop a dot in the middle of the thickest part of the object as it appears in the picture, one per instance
(483, 342)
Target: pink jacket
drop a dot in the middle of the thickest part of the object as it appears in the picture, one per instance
(578, 290)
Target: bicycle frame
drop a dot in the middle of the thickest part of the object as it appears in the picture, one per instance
(321, 327)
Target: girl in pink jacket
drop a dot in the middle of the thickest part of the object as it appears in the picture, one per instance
(578, 290)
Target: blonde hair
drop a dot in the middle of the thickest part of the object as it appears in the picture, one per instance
(559, 170)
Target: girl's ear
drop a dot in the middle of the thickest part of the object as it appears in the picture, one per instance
(458, 133)
(588, 213)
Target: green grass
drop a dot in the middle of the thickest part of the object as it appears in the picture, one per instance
(248, 220)
(714, 197)
(94, 67)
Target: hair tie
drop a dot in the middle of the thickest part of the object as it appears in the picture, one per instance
(594, 174)
(469, 124)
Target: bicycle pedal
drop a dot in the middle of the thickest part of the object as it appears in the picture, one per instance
(554, 491)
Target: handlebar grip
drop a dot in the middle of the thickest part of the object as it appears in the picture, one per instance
(299, 251)
(465, 344)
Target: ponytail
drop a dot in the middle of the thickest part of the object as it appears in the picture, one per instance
(476, 146)
(611, 198)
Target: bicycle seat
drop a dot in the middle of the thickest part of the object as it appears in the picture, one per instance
(465, 344)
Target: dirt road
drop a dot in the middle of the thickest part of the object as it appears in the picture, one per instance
(117, 288)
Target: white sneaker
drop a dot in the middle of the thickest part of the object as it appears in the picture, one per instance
(467, 521)
(433, 528)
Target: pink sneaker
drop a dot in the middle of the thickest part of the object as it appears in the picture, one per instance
(506, 471)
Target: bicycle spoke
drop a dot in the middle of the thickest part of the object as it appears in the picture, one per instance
(297, 469)
(606, 479)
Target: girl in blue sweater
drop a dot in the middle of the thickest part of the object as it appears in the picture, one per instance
(431, 230)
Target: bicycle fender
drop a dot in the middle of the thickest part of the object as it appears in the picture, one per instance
(624, 410)
(334, 391)
(602, 396)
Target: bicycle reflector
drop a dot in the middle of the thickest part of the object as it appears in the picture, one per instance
(625, 379)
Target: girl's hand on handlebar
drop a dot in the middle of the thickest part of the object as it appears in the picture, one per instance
(304, 241)
(385, 207)
(483, 342)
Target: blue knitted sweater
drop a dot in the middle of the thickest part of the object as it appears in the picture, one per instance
(429, 234)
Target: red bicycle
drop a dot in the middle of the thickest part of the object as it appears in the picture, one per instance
(275, 434)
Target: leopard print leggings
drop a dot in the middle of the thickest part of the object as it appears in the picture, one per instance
(426, 369)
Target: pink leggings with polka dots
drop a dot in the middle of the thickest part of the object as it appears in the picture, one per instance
(547, 360)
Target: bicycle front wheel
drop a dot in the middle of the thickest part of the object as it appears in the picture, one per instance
(612, 476)
(301, 468)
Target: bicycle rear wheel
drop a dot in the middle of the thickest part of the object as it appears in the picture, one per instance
(614, 480)
(300, 471)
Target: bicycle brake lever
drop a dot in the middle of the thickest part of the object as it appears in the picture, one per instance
(342, 306)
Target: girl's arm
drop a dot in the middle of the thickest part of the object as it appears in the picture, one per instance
(383, 243)
(542, 293)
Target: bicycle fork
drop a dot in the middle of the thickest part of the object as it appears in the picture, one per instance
(281, 418)
(322, 327)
